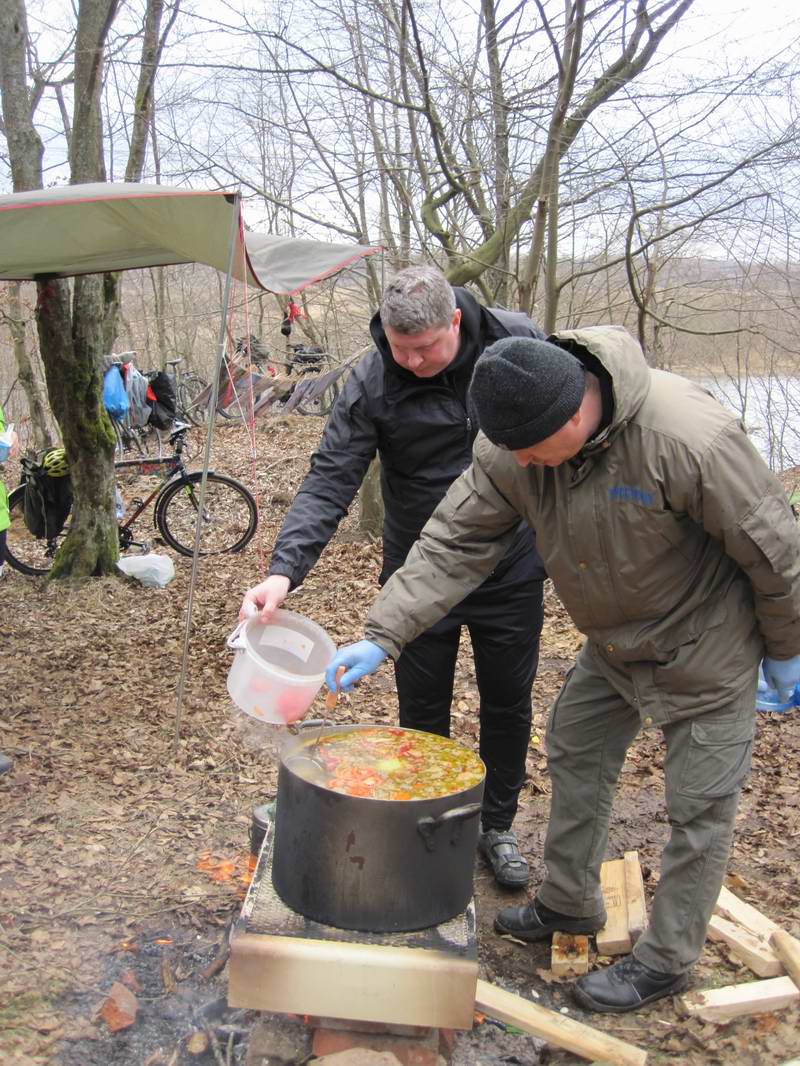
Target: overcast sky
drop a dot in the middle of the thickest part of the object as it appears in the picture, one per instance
(752, 27)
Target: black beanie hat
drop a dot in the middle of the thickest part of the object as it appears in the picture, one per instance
(524, 390)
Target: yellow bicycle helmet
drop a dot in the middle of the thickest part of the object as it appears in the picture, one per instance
(55, 463)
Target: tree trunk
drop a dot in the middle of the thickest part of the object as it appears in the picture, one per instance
(31, 385)
(25, 149)
(74, 386)
(74, 339)
(502, 165)
(370, 518)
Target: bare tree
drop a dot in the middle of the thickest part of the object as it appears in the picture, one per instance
(25, 154)
(77, 322)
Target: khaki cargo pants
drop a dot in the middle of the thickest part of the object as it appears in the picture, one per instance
(707, 760)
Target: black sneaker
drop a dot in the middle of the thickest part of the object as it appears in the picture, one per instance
(501, 850)
(534, 921)
(627, 985)
(5, 764)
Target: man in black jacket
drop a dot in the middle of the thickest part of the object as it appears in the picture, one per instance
(406, 401)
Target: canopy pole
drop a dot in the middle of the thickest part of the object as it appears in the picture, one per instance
(235, 225)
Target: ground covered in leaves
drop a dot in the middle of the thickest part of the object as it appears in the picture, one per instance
(124, 836)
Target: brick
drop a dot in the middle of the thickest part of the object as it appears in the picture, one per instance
(359, 1056)
(409, 1050)
(359, 1026)
(447, 1039)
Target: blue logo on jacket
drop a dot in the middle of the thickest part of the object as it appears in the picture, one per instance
(629, 494)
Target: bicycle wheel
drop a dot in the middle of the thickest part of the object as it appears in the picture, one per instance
(127, 440)
(229, 514)
(24, 552)
(193, 397)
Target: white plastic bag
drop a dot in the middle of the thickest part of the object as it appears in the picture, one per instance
(154, 571)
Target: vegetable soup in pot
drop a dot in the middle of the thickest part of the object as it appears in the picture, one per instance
(386, 764)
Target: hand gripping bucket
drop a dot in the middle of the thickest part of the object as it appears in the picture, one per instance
(279, 667)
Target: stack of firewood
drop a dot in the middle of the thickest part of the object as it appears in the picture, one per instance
(765, 948)
(752, 938)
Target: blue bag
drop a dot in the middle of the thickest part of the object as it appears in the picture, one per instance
(114, 395)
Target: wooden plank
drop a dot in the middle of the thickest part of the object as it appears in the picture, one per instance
(556, 1028)
(359, 982)
(736, 910)
(734, 1001)
(787, 948)
(752, 950)
(613, 938)
(634, 896)
(569, 954)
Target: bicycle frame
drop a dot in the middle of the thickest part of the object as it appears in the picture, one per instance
(169, 466)
(172, 465)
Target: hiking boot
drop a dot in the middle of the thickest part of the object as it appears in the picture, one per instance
(534, 921)
(627, 985)
(501, 850)
(5, 764)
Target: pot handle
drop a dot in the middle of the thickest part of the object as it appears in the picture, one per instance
(427, 826)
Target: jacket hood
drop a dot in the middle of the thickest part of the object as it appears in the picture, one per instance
(620, 355)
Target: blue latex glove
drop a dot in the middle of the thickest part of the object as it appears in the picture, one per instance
(360, 659)
(782, 675)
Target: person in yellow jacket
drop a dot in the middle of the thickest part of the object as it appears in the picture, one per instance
(5, 521)
(676, 553)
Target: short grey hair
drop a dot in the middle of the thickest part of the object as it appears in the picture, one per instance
(416, 299)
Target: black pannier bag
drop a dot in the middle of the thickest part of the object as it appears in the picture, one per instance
(48, 499)
(161, 395)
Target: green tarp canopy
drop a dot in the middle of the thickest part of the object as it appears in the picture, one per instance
(90, 229)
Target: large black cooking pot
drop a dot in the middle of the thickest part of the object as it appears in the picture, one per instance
(368, 864)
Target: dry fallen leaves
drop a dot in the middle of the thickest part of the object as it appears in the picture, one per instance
(98, 793)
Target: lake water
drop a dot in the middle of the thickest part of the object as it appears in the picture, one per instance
(770, 407)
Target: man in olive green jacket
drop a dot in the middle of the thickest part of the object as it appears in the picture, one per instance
(676, 553)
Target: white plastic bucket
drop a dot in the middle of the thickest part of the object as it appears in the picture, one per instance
(279, 667)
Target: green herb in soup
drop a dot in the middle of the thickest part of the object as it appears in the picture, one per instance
(388, 764)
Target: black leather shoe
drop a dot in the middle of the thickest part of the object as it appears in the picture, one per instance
(534, 921)
(501, 850)
(627, 985)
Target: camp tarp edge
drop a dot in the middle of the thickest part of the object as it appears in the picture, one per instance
(98, 227)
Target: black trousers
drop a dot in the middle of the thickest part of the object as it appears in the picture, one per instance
(504, 620)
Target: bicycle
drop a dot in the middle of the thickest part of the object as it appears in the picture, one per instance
(235, 383)
(189, 386)
(229, 520)
(140, 440)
